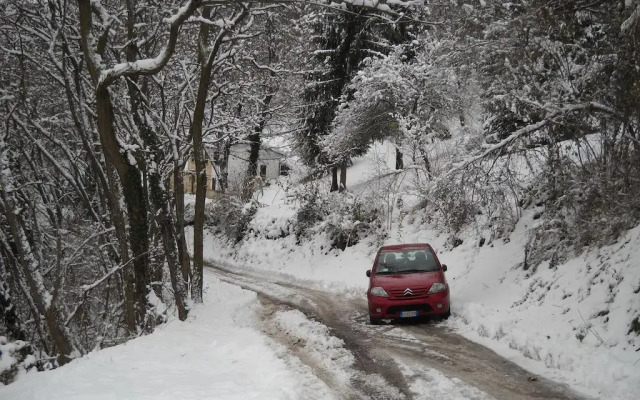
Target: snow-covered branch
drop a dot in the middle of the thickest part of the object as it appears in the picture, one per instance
(631, 22)
(493, 149)
(89, 287)
(151, 66)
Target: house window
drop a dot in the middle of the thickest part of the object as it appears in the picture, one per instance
(213, 183)
(263, 171)
(284, 169)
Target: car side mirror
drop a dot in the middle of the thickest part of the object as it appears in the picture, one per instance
(444, 267)
(368, 273)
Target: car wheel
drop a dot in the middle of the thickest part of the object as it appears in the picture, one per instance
(374, 320)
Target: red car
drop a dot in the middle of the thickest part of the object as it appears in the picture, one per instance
(407, 281)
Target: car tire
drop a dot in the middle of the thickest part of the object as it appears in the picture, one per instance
(374, 320)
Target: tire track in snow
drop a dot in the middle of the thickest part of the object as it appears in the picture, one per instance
(325, 355)
(371, 377)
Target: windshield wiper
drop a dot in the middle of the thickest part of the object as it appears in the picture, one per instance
(411, 271)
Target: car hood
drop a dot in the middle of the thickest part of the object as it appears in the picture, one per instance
(406, 280)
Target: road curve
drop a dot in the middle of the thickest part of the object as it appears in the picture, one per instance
(393, 361)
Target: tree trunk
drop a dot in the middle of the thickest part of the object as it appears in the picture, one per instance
(178, 192)
(134, 196)
(399, 160)
(254, 150)
(334, 179)
(198, 155)
(224, 166)
(118, 220)
(165, 223)
(343, 176)
(138, 240)
(425, 160)
(252, 167)
(159, 199)
(198, 222)
(206, 59)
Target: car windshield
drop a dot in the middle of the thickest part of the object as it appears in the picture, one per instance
(392, 262)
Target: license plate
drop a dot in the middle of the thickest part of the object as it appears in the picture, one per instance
(407, 314)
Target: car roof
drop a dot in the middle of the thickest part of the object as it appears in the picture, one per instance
(406, 246)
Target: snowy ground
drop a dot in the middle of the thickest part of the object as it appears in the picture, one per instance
(568, 323)
(218, 353)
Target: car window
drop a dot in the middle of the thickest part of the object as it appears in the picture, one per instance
(406, 261)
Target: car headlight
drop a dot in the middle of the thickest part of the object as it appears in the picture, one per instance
(378, 291)
(437, 287)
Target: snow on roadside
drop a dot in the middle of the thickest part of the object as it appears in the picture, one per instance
(568, 322)
(217, 353)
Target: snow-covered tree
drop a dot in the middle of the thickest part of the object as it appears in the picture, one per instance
(406, 99)
(341, 40)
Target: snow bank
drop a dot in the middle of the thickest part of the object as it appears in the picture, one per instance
(568, 322)
(217, 354)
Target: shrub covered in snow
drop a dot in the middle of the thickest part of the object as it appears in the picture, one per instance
(579, 206)
(14, 355)
(230, 216)
(456, 203)
(313, 209)
(449, 200)
(341, 216)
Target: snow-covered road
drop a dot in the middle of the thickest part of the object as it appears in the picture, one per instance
(329, 334)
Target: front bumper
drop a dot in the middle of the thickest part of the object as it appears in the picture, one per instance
(390, 307)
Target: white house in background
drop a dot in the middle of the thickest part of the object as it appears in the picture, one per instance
(269, 167)
(269, 164)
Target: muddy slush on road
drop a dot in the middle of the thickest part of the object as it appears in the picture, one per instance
(404, 360)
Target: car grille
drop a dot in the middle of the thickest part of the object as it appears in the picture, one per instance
(410, 307)
(417, 292)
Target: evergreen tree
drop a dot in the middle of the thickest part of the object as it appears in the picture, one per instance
(342, 40)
